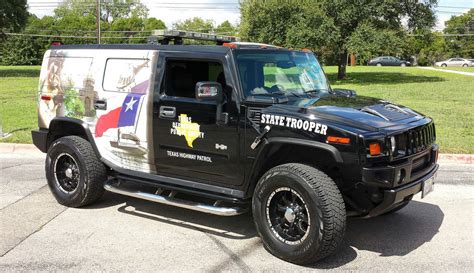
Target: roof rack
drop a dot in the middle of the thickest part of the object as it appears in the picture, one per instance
(164, 37)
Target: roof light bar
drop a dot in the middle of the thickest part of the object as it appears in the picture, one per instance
(164, 36)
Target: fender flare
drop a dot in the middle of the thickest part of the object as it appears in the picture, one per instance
(310, 143)
(267, 143)
(66, 126)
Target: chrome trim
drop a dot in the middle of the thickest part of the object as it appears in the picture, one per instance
(170, 200)
(374, 112)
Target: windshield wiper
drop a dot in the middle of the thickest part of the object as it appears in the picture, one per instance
(317, 90)
(294, 94)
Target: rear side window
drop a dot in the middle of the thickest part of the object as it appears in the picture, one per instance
(123, 75)
(181, 76)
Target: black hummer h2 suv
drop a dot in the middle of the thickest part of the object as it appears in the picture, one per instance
(243, 127)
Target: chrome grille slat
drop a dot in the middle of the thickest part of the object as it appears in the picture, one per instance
(417, 139)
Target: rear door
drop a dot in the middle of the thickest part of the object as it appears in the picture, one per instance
(187, 141)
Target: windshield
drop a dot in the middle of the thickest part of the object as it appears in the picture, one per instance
(280, 73)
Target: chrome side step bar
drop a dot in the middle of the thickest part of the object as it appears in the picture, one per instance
(170, 200)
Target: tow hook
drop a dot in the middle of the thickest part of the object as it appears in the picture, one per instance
(259, 138)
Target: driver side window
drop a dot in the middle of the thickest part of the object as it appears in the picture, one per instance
(181, 76)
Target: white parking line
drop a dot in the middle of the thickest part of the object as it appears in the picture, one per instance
(449, 71)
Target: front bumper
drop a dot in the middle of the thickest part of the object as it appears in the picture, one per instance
(40, 139)
(394, 197)
(401, 173)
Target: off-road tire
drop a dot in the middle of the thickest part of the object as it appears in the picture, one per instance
(325, 206)
(92, 172)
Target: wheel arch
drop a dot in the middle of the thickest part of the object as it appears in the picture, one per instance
(65, 126)
(279, 150)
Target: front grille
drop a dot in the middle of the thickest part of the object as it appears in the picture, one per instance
(416, 140)
(421, 163)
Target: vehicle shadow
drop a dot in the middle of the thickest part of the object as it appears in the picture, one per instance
(235, 227)
(395, 234)
(387, 78)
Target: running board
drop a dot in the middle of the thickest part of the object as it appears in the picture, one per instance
(170, 200)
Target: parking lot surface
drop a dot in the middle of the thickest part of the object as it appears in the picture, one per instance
(125, 234)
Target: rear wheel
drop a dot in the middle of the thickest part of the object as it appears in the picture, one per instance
(464, 65)
(75, 175)
(299, 213)
(403, 64)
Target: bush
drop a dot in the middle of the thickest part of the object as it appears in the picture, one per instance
(20, 50)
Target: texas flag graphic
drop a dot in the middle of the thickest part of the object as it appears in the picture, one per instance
(125, 115)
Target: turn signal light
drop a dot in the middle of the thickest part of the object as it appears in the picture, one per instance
(231, 45)
(339, 140)
(374, 149)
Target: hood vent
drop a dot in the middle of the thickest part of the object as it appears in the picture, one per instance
(387, 112)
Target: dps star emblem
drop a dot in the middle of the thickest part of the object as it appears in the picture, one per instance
(185, 127)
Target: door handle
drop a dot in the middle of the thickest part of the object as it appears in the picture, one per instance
(100, 105)
(167, 112)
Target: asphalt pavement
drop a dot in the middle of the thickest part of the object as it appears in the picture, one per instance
(125, 234)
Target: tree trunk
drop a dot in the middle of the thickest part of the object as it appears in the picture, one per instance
(341, 71)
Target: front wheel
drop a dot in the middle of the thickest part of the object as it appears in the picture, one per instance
(299, 213)
(379, 64)
(75, 175)
(444, 65)
(464, 65)
(403, 64)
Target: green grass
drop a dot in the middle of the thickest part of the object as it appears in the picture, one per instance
(465, 69)
(18, 97)
(446, 97)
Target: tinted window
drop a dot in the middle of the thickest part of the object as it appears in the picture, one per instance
(181, 76)
(280, 73)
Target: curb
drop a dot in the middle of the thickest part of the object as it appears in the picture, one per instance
(457, 158)
(17, 148)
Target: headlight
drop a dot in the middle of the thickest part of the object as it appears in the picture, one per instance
(393, 144)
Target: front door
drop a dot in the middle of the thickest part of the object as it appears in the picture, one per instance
(188, 142)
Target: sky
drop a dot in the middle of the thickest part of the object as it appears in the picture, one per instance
(172, 11)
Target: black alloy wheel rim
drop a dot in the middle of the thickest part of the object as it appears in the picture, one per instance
(287, 216)
(66, 172)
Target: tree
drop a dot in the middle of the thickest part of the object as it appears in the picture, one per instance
(330, 23)
(198, 25)
(226, 28)
(153, 23)
(20, 50)
(195, 24)
(13, 15)
(384, 15)
(436, 50)
(369, 42)
(462, 46)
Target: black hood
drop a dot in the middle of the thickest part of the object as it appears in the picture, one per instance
(366, 113)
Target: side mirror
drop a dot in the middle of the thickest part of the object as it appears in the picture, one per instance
(345, 92)
(209, 91)
(212, 91)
